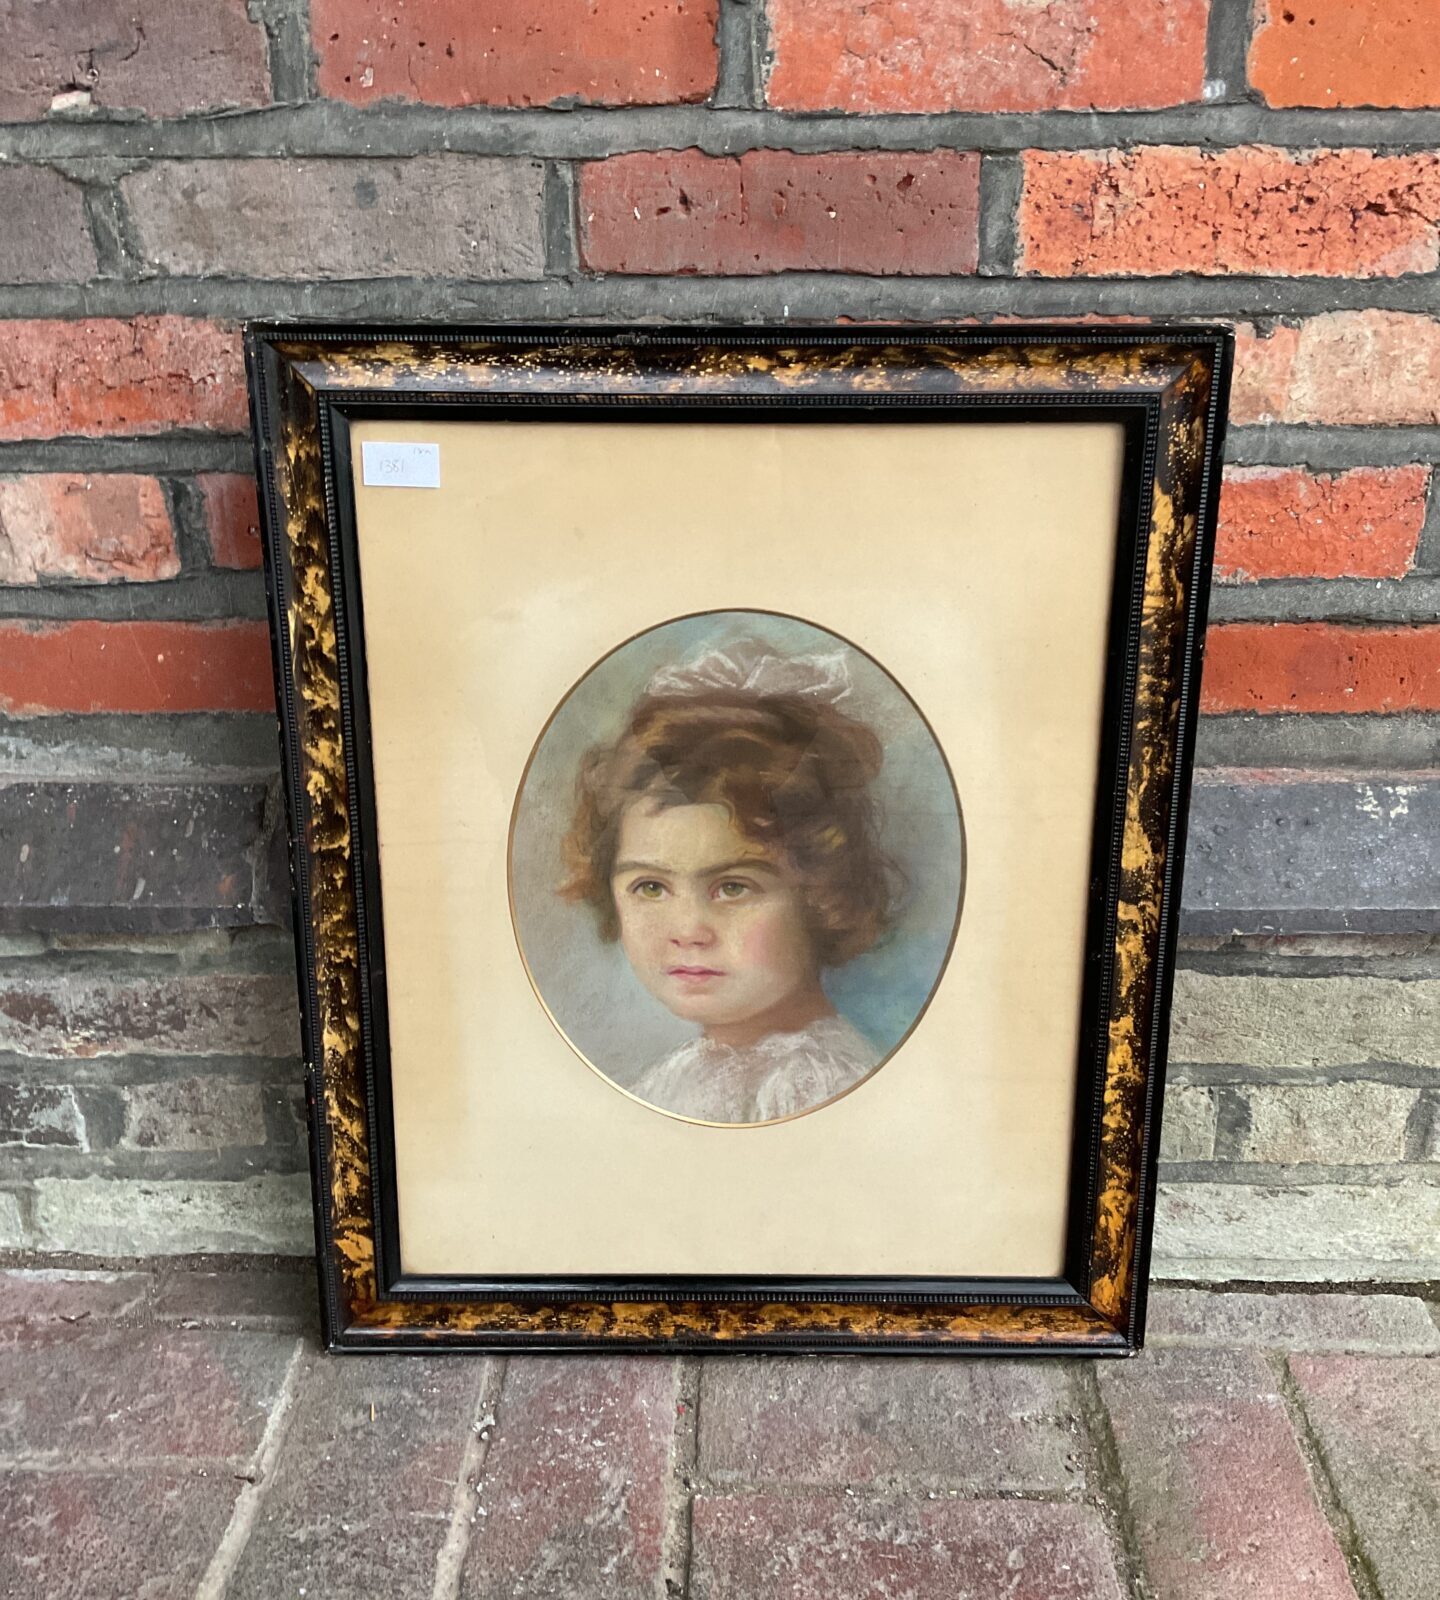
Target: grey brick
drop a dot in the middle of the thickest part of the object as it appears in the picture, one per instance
(442, 216)
(45, 238)
(1187, 1126)
(1218, 1231)
(1334, 1124)
(137, 1217)
(193, 1114)
(1387, 1323)
(40, 1114)
(68, 1012)
(1296, 1022)
(271, 1300)
(1312, 855)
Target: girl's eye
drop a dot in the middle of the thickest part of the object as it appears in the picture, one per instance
(731, 889)
(648, 889)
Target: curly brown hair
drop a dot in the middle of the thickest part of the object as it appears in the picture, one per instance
(794, 775)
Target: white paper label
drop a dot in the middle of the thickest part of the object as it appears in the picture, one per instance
(399, 466)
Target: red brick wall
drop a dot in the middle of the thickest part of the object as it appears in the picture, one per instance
(171, 169)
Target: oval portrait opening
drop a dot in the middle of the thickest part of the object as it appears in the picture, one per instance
(736, 867)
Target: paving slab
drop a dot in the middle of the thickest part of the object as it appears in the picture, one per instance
(997, 1425)
(572, 1497)
(146, 1534)
(116, 1395)
(836, 1546)
(1222, 1501)
(361, 1496)
(274, 1301)
(1385, 1323)
(56, 1294)
(1378, 1426)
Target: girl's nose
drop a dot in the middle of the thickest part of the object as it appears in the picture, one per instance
(691, 927)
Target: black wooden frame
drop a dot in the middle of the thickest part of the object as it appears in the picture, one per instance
(1165, 386)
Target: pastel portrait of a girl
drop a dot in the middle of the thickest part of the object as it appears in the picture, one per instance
(731, 840)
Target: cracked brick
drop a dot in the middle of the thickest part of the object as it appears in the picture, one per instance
(104, 376)
(163, 57)
(989, 55)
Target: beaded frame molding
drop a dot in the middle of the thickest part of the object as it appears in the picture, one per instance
(1167, 386)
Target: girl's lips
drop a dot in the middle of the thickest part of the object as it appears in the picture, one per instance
(693, 972)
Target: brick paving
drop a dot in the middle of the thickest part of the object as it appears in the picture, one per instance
(179, 1433)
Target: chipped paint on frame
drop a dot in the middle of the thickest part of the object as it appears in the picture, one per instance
(1181, 370)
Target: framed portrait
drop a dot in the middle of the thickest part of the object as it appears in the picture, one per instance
(737, 783)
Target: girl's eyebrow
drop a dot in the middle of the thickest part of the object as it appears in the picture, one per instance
(753, 863)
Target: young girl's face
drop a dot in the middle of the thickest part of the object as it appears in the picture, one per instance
(713, 924)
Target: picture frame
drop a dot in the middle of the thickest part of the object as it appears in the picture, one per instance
(556, 526)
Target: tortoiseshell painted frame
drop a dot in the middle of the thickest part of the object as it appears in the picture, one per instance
(1167, 385)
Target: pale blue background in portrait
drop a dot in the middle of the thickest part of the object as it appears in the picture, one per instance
(588, 985)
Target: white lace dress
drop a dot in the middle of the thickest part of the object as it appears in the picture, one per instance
(782, 1074)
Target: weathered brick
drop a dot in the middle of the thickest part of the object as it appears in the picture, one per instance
(232, 518)
(1346, 53)
(105, 528)
(1303, 1022)
(1255, 210)
(988, 55)
(833, 1423)
(680, 211)
(1379, 1427)
(1341, 368)
(1221, 1499)
(366, 1482)
(163, 57)
(486, 52)
(1187, 1127)
(14, 1233)
(75, 1535)
(1320, 667)
(1303, 853)
(118, 1217)
(1197, 1318)
(844, 1547)
(40, 1114)
(572, 1498)
(1216, 1231)
(111, 1394)
(46, 238)
(134, 666)
(105, 376)
(193, 1114)
(62, 1015)
(1287, 522)
(1333, 1124)
(440, 216)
